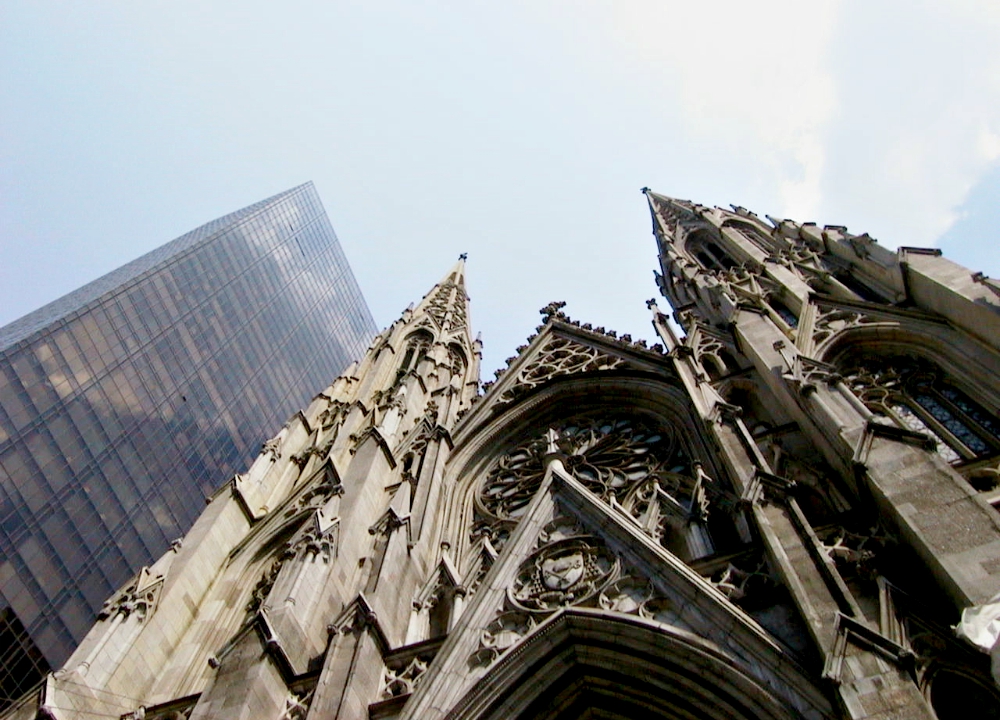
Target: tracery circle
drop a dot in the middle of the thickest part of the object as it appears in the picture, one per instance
(609, 456)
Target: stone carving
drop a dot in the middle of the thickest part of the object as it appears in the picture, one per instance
(856, 553)
(318, 495)
(808, 374)
(568, 568)
(667, 506)
(832, 320)
(567, 572)
(137, 599)
(403, 680)
(263, 587)
(627, 595)
(801, 260)
(297, 705)
(609, 456)
(333, 414)
(321, 451)
(449, 297)
(558, 357)
(314, 542)
(553, 311)
(487, 556)
(736, 583)
(272, 448)
(388, 523)
(505, 631)
(861, 244)
(987, 282)
(495, 531)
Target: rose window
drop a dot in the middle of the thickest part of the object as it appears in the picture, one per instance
(609, 457)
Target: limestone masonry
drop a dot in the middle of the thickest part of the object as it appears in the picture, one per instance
(781, 514)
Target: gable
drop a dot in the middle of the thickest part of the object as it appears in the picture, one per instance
(573, 555)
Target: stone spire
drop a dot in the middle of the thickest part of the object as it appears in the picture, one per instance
(447, 304)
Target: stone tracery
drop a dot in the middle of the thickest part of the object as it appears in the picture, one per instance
(609, 456)
(912, 393)
(559, 356)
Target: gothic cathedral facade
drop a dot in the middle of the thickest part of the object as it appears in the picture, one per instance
(779, 513)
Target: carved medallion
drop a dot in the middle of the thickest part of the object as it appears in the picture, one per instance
(568, 572)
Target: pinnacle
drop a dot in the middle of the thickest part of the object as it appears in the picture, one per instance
(447, 303)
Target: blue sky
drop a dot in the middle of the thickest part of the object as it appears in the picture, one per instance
(518, 132)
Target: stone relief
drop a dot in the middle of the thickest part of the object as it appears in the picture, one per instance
(672, 508)
(333, 414)
(568, 572)
(450, 296)
(403, 679)
(832, 320)
(272, 448)
(569, 567)
(263, 587)
(137, 599)
(856, 553)
(314, 542)
(320, 451)
(559, 356)
(609, 456)
(613, 458)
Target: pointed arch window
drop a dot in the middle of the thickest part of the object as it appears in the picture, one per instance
(417, 346)
(708, 253)
(751, 233)
(915, 394)
(456, 359)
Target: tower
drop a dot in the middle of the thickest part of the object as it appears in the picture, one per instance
(123, 403)
(776, 515)
(853, 393)
(302, 572)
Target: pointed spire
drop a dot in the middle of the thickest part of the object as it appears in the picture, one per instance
(668, 212)
(447, 303)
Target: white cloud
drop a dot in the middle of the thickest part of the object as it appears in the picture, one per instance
(753, 78)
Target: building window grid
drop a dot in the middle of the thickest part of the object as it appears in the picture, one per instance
(231, 451)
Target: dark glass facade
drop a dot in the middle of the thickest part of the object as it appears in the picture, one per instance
(126, 402)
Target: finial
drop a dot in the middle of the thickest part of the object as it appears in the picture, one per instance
(651, 304)
(463, 256)
(552, 310)
(644, 190)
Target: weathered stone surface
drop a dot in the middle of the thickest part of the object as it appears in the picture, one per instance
(780, 517)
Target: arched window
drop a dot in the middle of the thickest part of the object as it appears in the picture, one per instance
(952, 692)
(751, 233)
(703, 247)
(457, 359)
(914, 393)
(417, 346)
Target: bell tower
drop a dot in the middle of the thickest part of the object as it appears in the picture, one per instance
(858, 389)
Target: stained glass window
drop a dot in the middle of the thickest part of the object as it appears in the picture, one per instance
(916, 395)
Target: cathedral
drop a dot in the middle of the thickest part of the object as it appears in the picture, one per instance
(784, 508)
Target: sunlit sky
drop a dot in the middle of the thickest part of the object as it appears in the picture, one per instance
(518, 132)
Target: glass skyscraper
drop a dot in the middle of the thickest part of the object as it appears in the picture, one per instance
(126, 402)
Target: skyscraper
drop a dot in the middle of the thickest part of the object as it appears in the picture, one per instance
(778, 514)
(124, 402)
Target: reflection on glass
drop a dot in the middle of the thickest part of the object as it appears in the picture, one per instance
(123, 404)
